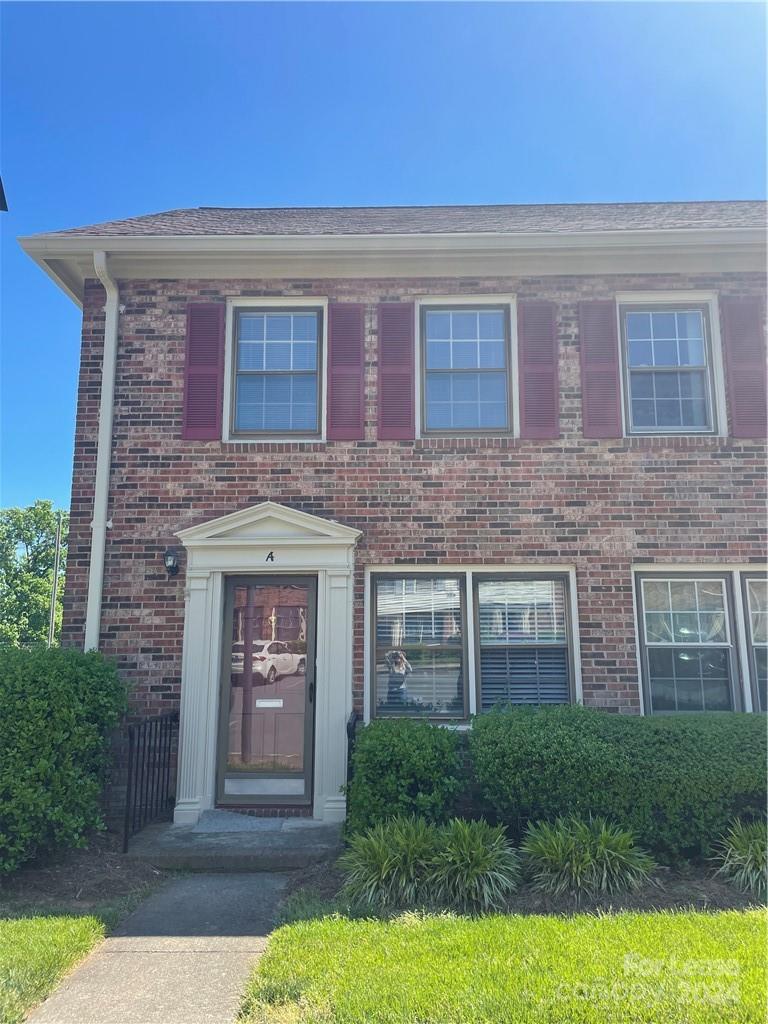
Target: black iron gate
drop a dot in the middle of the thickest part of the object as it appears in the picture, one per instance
(151, 783)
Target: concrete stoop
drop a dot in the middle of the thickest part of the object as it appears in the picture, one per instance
(224, 841)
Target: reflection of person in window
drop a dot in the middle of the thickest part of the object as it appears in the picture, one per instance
(399, 669)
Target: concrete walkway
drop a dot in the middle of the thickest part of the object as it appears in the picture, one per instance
(183, 957)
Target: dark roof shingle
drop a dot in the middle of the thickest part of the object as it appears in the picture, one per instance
(410, 220)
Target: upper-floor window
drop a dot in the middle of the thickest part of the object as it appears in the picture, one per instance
(465, 359)
(668, 379)
(276, 381)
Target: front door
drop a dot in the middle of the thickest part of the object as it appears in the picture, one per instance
(268, 689)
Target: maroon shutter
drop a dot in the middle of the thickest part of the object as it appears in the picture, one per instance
(600, 369)
(204, 371)
(346, 371)
(396, 371)
(537, 361)
(744, 346)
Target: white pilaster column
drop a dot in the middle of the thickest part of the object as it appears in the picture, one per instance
(194, 723)
(334, 695)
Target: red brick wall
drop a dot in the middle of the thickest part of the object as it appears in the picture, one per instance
(600, 505)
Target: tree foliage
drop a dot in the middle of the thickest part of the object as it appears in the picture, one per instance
(27, 552)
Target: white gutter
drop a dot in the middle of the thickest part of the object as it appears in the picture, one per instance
(100, 523)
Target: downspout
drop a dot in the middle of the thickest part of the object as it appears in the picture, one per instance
(100, 523)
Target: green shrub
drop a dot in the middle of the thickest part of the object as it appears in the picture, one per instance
(675, 781)
(387, 865)
(57, 708)
(742, 854)
(577, 857)
(474, 868)
(466, 865)
(402, 767)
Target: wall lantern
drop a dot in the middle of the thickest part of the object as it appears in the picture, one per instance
(171, 561)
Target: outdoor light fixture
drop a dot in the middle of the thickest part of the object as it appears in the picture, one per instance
(171, 560)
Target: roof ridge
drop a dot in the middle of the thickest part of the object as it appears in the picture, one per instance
(474, 206)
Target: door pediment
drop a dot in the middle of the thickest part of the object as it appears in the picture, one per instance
(266, 523)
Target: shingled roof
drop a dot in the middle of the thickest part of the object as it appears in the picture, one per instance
(411, 220)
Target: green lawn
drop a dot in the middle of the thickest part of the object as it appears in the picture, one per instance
(34, 953)
(657, 968)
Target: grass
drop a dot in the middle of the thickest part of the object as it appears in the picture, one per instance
(35, 952)
(53, 912)
(643, 968)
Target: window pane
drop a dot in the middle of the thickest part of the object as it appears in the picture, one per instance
(466, 340)
(663, 325)
(251, 327)
(456, 401)
(515, 617)
(684, 611)
(276, 401)
(761, 671)
(250, 355)
(689, 679)
(640, 353)
(638, 325)
(521, 611)
(419, 647)
(757, 597)
(690, 325)
(278, 327)
(492, 325)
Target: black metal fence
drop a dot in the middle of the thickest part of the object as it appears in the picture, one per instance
(352, 721)
(151, 783)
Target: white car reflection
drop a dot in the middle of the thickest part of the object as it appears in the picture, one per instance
(271, 660)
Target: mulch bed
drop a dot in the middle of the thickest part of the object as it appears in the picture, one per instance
(77, 880)
(690, 888)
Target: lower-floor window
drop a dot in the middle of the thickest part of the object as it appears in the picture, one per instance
(756, 616)
(686, 637)
(522, 641)
(520, 626)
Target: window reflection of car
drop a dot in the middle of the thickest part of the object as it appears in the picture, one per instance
(271, 660)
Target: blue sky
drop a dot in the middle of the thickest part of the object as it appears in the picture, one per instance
(112, 110)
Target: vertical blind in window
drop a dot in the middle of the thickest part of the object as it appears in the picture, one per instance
(687, 644)
(522, 629)
(419, 652)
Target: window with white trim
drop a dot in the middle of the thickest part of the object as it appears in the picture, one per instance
(276, 372)
(466, 377)
(667, 369)
(756, 616)
(522, 641)
(419, 657)
(688, 654)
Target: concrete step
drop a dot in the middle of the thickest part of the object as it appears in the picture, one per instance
(271, 844)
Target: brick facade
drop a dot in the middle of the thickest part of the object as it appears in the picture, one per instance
(598, 505)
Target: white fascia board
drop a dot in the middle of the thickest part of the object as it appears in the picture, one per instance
(52, 244)
(68, 258)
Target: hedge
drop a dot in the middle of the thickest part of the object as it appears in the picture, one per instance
(57, 708)
(402, 767)
(676, 781)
